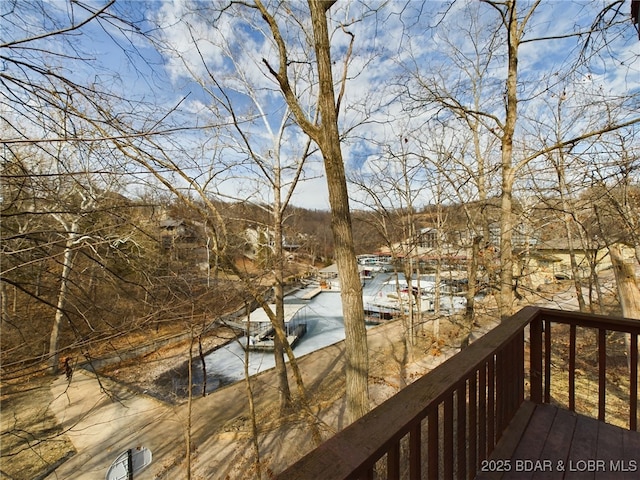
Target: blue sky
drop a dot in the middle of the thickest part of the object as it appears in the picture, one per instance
(396, 45)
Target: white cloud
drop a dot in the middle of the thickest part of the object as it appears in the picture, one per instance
(392, 40)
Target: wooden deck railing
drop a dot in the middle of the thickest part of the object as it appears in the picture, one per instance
(446, 423)
(541, 336)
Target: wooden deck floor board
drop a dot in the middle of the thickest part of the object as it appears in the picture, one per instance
(584, 445)
(631, 445)
(558, 444)
(530, 446)
(610, 445)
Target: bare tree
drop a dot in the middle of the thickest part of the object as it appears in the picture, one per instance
(393, 184)
(57, 210)
(519, 95)
(325, 133)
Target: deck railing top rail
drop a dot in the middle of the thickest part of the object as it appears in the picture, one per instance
(589, 320)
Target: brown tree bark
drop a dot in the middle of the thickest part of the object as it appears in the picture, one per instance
(508, 177)
(326, 135)
(628, 291)
(67, 265)
(284, 392)
(356, 352)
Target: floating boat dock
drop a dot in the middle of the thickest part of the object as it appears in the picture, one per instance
(265, 342)
(260, 331)
(312, 293)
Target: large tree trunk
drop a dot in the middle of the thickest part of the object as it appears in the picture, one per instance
(506, 214)
(356, 351)
(284, 392)
(67, 263)
(327, 137)
(252, 407)
(628, 291)
(568, 219)
(506, 248)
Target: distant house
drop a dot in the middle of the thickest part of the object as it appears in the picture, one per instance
(184, 240)
(427, 238)
(429, 246)
(550, 260)
(328, 276)
(328, 273)
(175, 231)
(261, 242)
(521, 236)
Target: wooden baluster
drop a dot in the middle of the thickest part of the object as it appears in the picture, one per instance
(633, 382)
(448, 437)
(433, 445)
(473, 426)
(461, 414)
(500, 392)
(482, 415)
(491, 405)
(572, 368)
(415, 450)
(535, 360)
(520, 368)
(393, 462)
(547, 361)
(602, 373)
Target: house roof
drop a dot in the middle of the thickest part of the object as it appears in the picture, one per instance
(260, 316)
(171, 222)
(560, 243)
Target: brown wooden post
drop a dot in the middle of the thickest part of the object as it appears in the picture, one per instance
(547, 361)
(491, 404)
(572, 368)
(393, 462)
(432, 444)
(461, 415)
(448, 437)
(521, 368)
(501, 390)
(473, 426)
(535, 360)
(415, 449)
(602, 373)
(633, 382)
(482, 414)
(512, 374)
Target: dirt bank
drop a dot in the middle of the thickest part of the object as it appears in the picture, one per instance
(164, 373)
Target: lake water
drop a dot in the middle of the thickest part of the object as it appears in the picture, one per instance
(325, 326)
